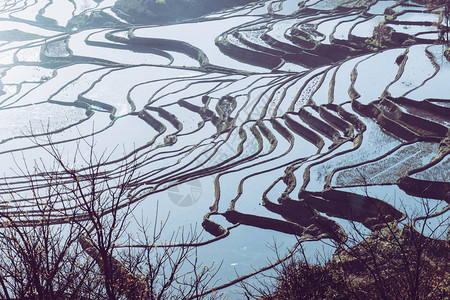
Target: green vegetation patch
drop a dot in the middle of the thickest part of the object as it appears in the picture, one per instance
(151, 11)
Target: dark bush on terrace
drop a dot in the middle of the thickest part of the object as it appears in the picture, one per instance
(391, 263)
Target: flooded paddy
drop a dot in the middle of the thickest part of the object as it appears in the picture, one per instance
(231, 117)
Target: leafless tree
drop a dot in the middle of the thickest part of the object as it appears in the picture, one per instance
(64, 234)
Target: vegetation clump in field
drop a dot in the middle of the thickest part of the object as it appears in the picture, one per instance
(390, 263)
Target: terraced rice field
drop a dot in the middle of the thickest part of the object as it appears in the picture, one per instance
(270, 120)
